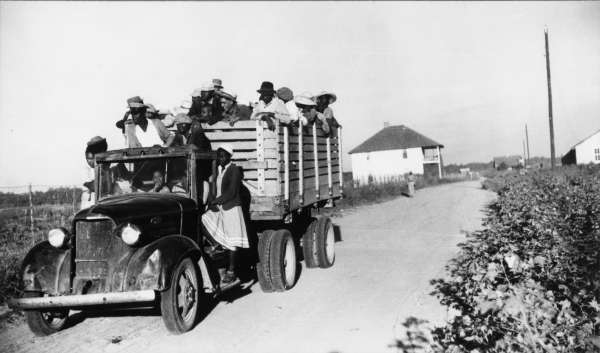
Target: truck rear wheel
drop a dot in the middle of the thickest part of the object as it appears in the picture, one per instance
(277, 267)
(309, 245)
(318, 243)
(44, 323)
(263, 271)
(179, 303)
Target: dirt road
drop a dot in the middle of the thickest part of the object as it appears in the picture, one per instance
(385, 260)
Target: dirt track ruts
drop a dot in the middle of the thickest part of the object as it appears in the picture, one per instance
(387, 256)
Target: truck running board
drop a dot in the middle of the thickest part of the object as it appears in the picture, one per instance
(68, 301)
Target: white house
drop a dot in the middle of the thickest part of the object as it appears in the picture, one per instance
(584, 152)
(393, 152)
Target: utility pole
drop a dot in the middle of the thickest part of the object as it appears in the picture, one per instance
(524, 155)
(527, 138)
(552, 157)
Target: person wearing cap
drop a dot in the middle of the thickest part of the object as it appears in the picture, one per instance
(325, 113)
(287, 96)
(205, 97)
(230, 107)
(217, 84)
(307, 106)
(269, 107)
(224, 219)
(134, 126)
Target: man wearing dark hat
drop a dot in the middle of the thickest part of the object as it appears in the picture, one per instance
(269, 107)
(207, 96)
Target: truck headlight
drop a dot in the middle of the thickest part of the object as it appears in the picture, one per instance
(130, 234)
(57, 237)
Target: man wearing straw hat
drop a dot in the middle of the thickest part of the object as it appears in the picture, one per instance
(224, 220)
(325, 113)
(134, 126)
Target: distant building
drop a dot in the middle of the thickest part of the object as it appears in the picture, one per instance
(584, 152)
(507, 162)
(393, 152)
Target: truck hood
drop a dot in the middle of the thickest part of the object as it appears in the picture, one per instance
(131, 206)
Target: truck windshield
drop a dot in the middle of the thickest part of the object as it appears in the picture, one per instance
(146, 175)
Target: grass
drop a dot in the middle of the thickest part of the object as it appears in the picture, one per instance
(16, 238)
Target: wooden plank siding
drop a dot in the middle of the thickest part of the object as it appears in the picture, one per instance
(272, 173)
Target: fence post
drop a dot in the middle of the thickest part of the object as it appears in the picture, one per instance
(31, 214)
(73, 200)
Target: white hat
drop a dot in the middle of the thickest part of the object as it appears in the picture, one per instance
(227, 147)
(228, 95)
(197, 92)
(207, 86)
(186, 104)
(304, 99)
(332, 96)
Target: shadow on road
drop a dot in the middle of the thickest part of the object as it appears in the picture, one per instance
(337, 231)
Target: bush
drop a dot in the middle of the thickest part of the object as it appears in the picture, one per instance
(530, 280)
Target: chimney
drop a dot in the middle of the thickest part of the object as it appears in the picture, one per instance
(386, 124)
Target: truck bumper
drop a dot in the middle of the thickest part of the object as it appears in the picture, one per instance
(70, 301)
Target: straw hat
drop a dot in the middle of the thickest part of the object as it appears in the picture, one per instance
(135, 102)
(228, 95)
(182, 118)
(207, 86)
(305, 99)
(227, 147)
(332, 96)
(197, 92)
(217, 83)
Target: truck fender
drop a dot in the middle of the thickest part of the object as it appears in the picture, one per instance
(151, 266)
(46, 269)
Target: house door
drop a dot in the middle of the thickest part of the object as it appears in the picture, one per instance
(431, 171)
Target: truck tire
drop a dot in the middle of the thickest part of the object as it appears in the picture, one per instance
(309, 245)
(181, 301)
(282, 260)
(263, 269)
(44, 323)
(325, 241)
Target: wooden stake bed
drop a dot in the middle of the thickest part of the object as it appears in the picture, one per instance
(286, 169)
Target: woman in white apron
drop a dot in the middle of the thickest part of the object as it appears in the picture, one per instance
(224, 219)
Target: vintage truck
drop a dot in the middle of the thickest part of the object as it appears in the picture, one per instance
(141, 248)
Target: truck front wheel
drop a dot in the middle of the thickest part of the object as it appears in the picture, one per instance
(44, 323)
(179, 304)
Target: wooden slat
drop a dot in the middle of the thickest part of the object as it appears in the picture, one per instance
(310, 156)
(310, 196)
(230, 135)
(294, 165)
(245, 155)
(294, 175)
(254, 164)
(268, 174)
(307, 131)
(308, 139)
(309, 184)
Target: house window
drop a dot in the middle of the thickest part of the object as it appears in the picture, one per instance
(597, 154)
(404, 154)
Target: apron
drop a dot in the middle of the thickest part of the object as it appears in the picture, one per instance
(226, 226)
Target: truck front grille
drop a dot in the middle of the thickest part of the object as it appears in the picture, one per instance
(94, 240)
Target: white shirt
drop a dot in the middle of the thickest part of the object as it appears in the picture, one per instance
(276, 106)
(295, 114)
(220, 178)
(136, 137)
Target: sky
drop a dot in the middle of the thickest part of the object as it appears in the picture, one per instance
(468, 75)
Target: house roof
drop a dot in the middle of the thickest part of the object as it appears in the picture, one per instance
(582, 141)
(395, 138)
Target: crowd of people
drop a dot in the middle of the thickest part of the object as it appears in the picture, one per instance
(144, 126)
